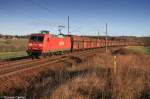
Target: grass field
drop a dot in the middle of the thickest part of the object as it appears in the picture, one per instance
(139, 49)
(10, 48)
(7, 55)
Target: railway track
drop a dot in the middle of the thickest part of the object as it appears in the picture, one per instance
(27, 65)
(8, 62)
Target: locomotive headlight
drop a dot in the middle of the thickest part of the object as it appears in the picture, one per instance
(40, 45)
(30, 44)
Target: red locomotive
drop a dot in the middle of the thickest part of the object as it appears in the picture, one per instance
(44, 43)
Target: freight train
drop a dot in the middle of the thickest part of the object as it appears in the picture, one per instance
(45, 43)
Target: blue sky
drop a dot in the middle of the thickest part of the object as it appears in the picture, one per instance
(87, 17)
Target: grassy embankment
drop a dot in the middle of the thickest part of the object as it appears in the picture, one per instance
(139, 49)
(10, 48)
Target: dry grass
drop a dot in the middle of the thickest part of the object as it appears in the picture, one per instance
(12, 45)
(86, 78)
(89, 86)
(132, 80)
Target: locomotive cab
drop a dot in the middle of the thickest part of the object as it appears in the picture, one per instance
(36, 43)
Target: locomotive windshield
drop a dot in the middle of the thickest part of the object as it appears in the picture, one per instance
(37, 38)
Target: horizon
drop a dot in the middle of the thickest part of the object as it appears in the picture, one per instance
(124, 18)
(77, 35)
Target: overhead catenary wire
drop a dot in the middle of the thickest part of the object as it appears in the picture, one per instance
(42, 7)
(26, 13)
(38, 20)
(34, 20)
(23, 12)
(4, 11)
(39, 5)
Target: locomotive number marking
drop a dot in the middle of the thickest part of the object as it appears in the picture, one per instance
(61, 43)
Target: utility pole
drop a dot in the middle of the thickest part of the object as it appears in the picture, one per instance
(68, 26)
(106, 39)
